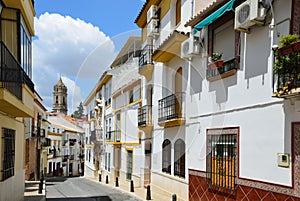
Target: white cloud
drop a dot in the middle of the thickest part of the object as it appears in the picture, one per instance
(69, 47)
(74, 94)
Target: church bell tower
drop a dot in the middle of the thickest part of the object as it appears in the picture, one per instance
(60, 101)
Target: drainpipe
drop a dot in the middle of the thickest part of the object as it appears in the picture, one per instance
(192, 8)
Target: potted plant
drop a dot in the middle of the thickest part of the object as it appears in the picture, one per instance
(288, 44)
(215, 60)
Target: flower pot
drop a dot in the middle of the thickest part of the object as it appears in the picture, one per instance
(219, 63)
(288, 49)
(296, 46)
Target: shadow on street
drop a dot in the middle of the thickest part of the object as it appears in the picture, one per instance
(97, 198)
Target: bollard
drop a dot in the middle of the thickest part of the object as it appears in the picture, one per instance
(174, 197)
(99, 177)
(131, 186)
(148, 197)
(40, 186)
(106, 179)
(117, 182)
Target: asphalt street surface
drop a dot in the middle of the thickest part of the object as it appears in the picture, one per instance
(76, 188)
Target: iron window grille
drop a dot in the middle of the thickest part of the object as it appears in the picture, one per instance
(145, 115)
(221, 160)
(179, 158)
(166, 157)
(8, 139)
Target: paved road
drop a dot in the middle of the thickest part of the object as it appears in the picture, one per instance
(77, 189)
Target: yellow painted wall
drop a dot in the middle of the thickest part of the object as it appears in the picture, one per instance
(27, 11)
(144, 33)
(28, 97)
(18, 126)
(165, 7)
(14, 184)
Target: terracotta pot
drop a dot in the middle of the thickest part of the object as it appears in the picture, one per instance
(219, 63)
(288, 49)
(296, 46)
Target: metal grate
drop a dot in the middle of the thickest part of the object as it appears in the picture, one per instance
(146, 56)
(170, 107)
(145, 115)
(8, 168)
(166, 156)
(227, 66)
(288, 77)
(221, 160)
(179, 158)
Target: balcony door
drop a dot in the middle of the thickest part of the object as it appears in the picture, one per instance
(147, 171)
(178, 92)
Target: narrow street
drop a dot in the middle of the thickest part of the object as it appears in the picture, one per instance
(77, 188)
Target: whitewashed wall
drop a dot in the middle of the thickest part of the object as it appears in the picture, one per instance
(245, 101)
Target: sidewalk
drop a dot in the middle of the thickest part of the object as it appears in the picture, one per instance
(139, 192)
(31, 191)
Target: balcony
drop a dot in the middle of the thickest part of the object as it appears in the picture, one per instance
(146, 64)
(287, 71)
(170, 110)
(113, 136)
(227, 69)
(145, 118)
(16, 88)
(108, 102)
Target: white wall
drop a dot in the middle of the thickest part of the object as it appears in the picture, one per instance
(245, 101)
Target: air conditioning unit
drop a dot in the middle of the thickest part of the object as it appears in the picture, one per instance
(249, 13)
(190, 47)
(152, 28)
(151, 13)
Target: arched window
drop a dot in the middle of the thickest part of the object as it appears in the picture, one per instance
(178, 11)
(179, 158)
(166, 156)
(56, 99)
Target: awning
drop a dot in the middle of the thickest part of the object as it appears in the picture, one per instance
(218, 13)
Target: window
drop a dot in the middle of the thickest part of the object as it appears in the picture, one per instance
(50, 167)
(8, 168)
(131, 96)
(178, 12)
(129, 165)
(179, 158)
(221, 158)
(108, 162)
(56, 99)
(166, 157)
(223, 39)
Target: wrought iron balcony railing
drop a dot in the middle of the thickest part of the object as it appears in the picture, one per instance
(12, 76)
(221, 72)
(113, 136)
(145, 115)
(287, 71)
(146, 56)
(171, 107)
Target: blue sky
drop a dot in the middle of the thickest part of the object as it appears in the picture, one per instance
(78, 41)
(112, 17)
